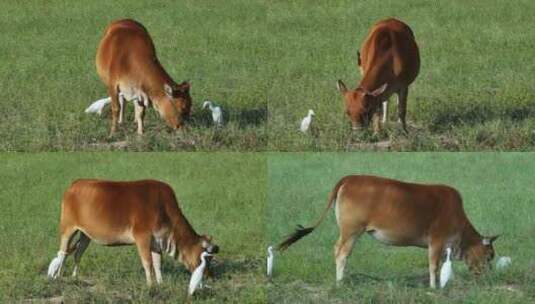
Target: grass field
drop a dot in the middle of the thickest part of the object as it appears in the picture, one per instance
(215, 197)
(48, 73)
(498, 196)
(474, 92)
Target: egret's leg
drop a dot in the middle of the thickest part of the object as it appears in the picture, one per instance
(157, 263)
(80, 249)
(143, 242)
(434, 252)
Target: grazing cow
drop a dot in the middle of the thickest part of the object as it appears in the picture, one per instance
(389, 62)
(144, 213)
(127, 64)
(402, 214)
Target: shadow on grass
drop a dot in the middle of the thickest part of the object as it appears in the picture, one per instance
(450, 114)
(412, 281)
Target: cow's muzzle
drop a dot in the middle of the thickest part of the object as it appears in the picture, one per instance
(212, 249)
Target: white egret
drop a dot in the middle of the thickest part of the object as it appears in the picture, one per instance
(270, 261)
(305, 123)
(446, 272)
(98, 106)
(503, 262)
(196, 276)
(217, 113)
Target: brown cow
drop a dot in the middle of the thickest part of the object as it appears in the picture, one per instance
(127, 64)
(145, 213)
(389, 62)
(402, 214)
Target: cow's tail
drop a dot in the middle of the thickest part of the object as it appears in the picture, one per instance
(98, 106)
(301, 231)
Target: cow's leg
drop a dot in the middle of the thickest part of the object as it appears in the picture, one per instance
(121, 107)
(385, 111)
(140, 115)
(66, 236)
(402, 107)
(157, 264)
(143, 242)
(113, 92)
(376, 121)
(343, 248)
(83, 242)
(435, 253)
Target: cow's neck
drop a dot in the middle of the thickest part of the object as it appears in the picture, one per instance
(470, 237)
(157, 77)
(183, 232)
(376, 76)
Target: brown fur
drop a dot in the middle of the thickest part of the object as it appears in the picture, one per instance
(126, 56)
(106, 211)
(389, 62)
(402, 214)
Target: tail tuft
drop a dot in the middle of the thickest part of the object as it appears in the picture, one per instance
(299, 233)
(55, 265)
(98, 106)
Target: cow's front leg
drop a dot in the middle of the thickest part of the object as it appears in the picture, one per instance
(376, 120)
(435, 253)
(385, 111)
(402, 107)
(140, 114)
(143, 242)
(157, 264)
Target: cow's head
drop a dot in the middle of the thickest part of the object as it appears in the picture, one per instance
(361, 104)
(191, 256)
(175, 105)
(479, 256)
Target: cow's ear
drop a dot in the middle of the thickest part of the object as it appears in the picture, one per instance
(341, 86)
(359, 62)
(378, 91)
(489, 240)
(168, 90)
(183, 87)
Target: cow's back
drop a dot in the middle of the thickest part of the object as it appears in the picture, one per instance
(395, 205)
(125, 45)
(391, 46)
(98, 207)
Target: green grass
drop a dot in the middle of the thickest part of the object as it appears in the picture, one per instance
(48, 73)
(499, 197)
(474, 91)
(215, 197)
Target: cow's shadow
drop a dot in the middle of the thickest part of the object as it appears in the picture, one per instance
(410, 281)
(450, 114)
(243, 117)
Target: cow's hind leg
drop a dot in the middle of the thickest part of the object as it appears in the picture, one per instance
(55, 266)
(83, 242)
(122, 104)
(115, 107)
(343, 249)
